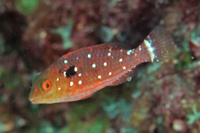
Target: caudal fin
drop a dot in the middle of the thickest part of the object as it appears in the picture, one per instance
(160, 45)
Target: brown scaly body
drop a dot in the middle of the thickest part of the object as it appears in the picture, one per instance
(78, 74)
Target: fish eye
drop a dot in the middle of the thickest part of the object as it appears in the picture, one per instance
(46, 85)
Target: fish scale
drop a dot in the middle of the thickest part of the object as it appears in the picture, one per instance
(79, 74)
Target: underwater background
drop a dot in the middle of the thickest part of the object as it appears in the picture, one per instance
(161, 98)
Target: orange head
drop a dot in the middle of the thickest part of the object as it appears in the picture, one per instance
(49, 87)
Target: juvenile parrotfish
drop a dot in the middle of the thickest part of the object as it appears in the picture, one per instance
(79, 74)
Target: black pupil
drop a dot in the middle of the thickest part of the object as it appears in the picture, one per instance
(47, 85)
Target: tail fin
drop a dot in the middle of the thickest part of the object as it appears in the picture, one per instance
(159, 45)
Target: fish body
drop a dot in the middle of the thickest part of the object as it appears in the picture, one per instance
(79, 74)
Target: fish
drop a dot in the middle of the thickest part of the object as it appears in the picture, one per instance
(79, 74)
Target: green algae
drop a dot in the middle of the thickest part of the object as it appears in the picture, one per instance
(112, 3)
(26, 6)
(80, 121)
(121, 37)
(106, 34)
(46, 127)
(97, 125)
(115, 108)
(193, 117)
(128, 130)
(14, 82)
(65, 33)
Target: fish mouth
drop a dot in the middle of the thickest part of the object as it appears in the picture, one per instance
(33, 101)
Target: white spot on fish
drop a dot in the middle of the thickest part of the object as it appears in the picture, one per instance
(110, 73)
(79, 74)
(89, 55)
(65, 74)
(59, 88)
(75, 69)
(105, 63)
(109, 54)
(135, 54)
(121, 50)
(71, 83)
(93, 65)
(57, 79)
(76, 58)
(110, 49)
(151, 49)
(124, 67)
(65, 61)
(129, 79)
(79, 82)
(120, 60)
(140, 48)
(129, 52)
(99, 77)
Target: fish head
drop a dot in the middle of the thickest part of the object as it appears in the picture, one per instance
(46, 88)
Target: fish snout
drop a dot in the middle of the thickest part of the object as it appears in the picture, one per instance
(32, 98)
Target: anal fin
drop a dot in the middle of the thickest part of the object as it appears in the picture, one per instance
(128, 76)
(87, 96)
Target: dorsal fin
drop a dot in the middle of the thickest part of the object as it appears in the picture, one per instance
(87, 96)
(113, 46)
